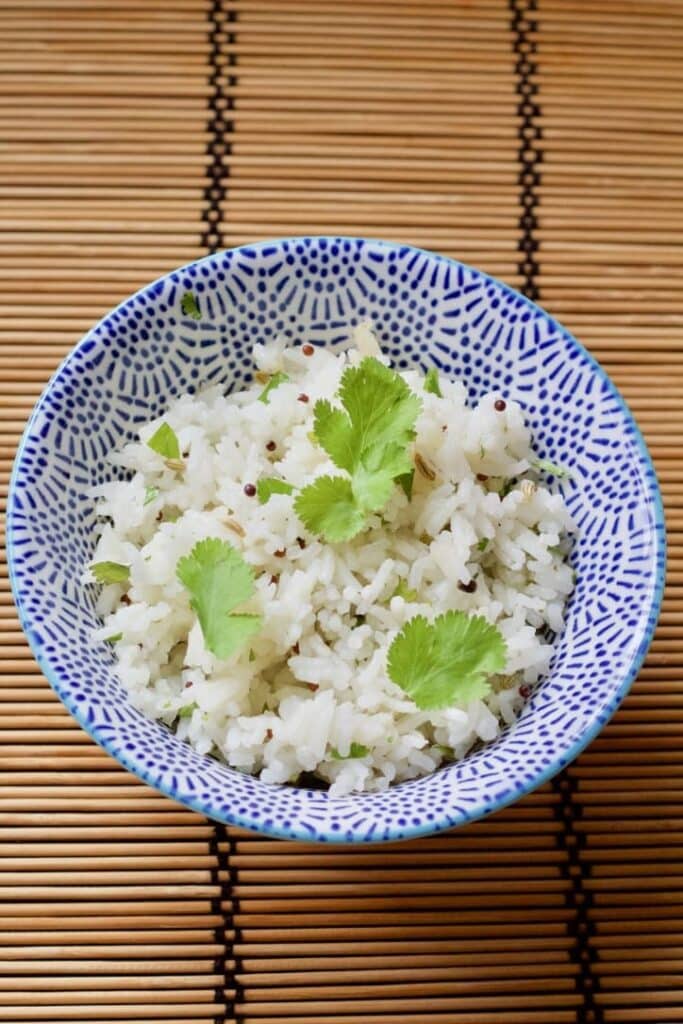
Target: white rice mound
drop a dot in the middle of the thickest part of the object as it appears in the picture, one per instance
(313, 680)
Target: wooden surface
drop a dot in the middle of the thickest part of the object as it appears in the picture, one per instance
(136, 136)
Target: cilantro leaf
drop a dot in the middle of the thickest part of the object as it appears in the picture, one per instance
(186, 711)
(334, 432)
(381, 407)
(114, 638)
(371, 435)
(327, 507)
(355, 750)
(448, 661)
(483, 543)
(165, 442)
(189, 306)
(151, 493)
(404, 591)
(110, 572)
(218, 579)
(502, 486)
(374, 479)
(431, 383)
(551, 468)
(269, 485)
(406, 481)
(274, 382)
(368, 439)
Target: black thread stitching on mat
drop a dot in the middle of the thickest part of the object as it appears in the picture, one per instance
(579, 897)
(530, 152)
(220, 124)
(224, 905)
(568, 810)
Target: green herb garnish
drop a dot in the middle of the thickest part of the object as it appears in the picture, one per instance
(406, 482)
(165, 443)
(551, 468)
(274, 382)
(502, 486)
(186, 712)
(269, 485)
(151, 494)
(110, 572)
(218, 580)
(447, 661)
(189, 306)
(483, 544)
(404, 591)
(431, 383)
(114, 638)
(328, 507)
(368, 439)
(355, 750)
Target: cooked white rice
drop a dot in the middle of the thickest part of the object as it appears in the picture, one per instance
(313, 680)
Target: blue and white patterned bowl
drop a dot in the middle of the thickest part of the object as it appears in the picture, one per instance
(429, 311)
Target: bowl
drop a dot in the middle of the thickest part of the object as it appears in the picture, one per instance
(428, 310)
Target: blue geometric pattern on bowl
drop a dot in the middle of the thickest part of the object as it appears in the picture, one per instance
(430, 311)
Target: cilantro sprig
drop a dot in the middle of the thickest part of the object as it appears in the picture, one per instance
(267, 486)
(328, 507)
(190, 307)
(275, 381)
(368, 438)
(551, 468)
(110, 572)
(218, 580)
(187, 710)
(447, 661)
(355, 750)
(404, 591)
(165, 442)
(431, 382)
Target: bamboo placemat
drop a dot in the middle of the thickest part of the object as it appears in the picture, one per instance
(540, 141)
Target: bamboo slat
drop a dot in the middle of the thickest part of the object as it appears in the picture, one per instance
(106, 893)
(370, 117)
(629, 782)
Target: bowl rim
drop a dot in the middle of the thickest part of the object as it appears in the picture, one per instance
(391, 833)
